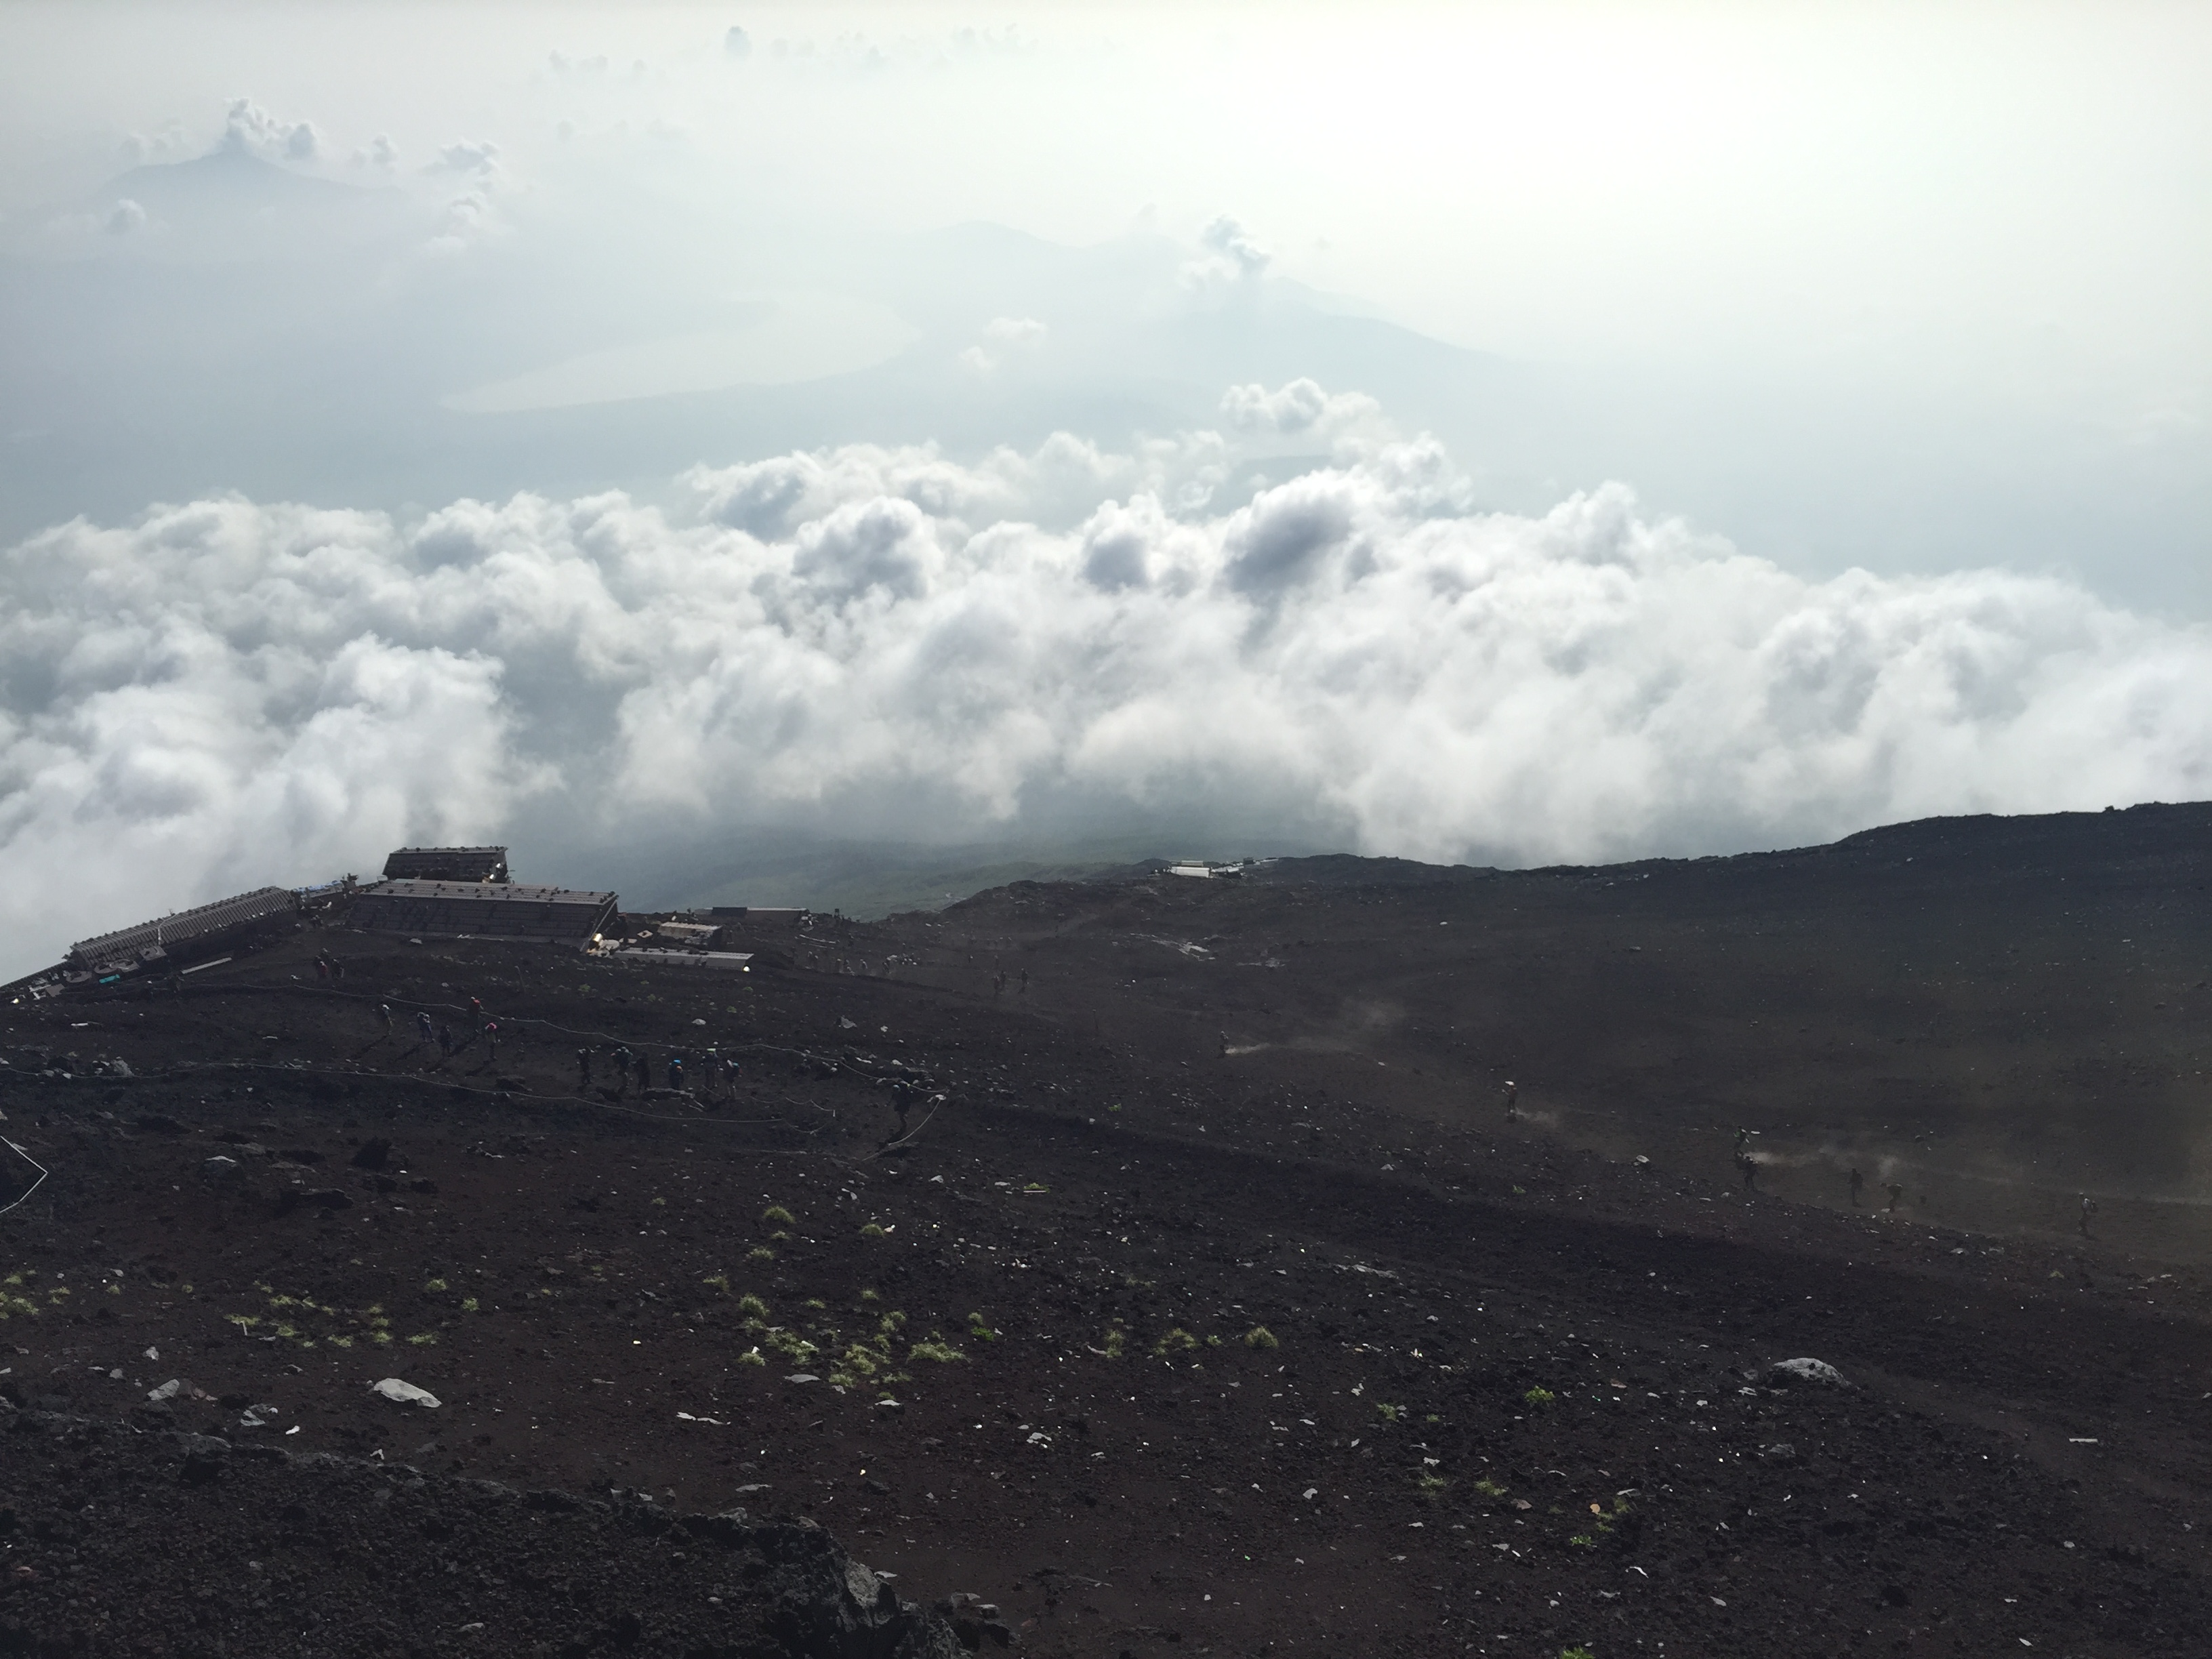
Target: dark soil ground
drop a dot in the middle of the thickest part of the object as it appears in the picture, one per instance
(1219, 1306)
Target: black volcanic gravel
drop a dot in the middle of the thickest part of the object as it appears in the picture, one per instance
(1153, 1348)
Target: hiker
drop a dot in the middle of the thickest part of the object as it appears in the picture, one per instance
(1512, 1101)
(1896, 1191)
(337, 971)
(1742, 1140)
(476, 1009)
(491, 1039)
(1749, 1165)
(644, 1072)
(445, 1041)
(621, 1070)
(1858, 1182)
(422, 1026)
(2088, 1209)
(730, 1075)
(322, 970)
(384, 1017)
(676, 1071)
(583, 1067)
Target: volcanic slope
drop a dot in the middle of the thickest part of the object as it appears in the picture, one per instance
(1216, 1306)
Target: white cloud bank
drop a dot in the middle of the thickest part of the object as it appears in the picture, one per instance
(887, 642)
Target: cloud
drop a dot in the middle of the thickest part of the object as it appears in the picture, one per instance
(379, 153)
(738, 43)
(125, 217)
(251, 130)
(154, 751)
(1300, 414)
(1003, 338)
(1231, 259)
(474, 160)
(885, 641)
(169, 143)
(1229, 240)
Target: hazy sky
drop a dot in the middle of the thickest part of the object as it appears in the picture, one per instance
(1502, 432)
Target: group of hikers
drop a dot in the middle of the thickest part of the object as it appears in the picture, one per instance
(1895, 1188)
(716, 1073)
(478, 1027)
(1747, 1164)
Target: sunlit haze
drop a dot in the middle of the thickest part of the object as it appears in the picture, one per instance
(653, 434)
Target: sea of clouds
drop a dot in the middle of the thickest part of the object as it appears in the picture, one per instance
(886, 642)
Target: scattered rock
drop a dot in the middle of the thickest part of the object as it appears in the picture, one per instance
(162, 1560)
(204, 1457)
(973, 1619)
(1804, 1373)
(404, 1393)
(326, 1198)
